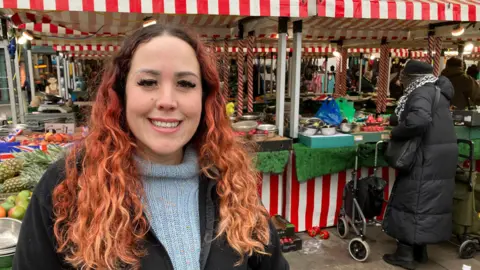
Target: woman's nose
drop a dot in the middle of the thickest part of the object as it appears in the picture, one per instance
(166, 98)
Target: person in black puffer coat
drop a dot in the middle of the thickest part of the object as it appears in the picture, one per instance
(420, 208)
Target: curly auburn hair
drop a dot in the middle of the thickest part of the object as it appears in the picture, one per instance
(99, 216)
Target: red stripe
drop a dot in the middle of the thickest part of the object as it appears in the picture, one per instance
(472, 13)
(62, 5)
(309, 211)
(259, 184)
(264, 7)
(425, 11)
(477, 165)
(392, 10)
(180, 6)
(158, 6)
(339, 9)
(202, 6)
(88, 5)
(136, 6)
(370, 171)
(441, 11)
(68, 31)
(342, 180)
(112, 5)
(6, 156)
(274, 194)
(357, 9)
(386, 177)
(303, 9)
(244, 8)
(456, 12)
(16, 19)
(321, 8)
(327, 180)
(46, 19)
(284, 191)
(409, 10)
(224, 7)
(374, 10)
(284, 8)
(295, 195)
(9, 3)
(37, 27)
(36, 4)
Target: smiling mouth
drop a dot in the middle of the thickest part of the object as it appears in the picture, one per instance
(162, 124)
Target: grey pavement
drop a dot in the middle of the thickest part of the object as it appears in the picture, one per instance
(333, 254)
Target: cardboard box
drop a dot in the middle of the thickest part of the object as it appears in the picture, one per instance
(68, 128)
(283, 226)
(295, 246)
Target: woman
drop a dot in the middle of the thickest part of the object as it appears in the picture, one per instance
(420, 207)
(160, 182)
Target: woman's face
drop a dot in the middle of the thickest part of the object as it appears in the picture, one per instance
(164, 98)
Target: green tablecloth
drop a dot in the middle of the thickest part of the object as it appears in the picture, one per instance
(272, 162)
(314, 162)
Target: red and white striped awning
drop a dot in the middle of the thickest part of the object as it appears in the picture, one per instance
(424, 10)
(394, 52)
(325, 49)
(89, 56)
(268, 8)
(81, 48)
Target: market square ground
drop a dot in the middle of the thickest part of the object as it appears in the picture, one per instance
(333, 255)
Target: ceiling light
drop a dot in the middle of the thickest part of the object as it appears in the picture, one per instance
(372, 57)
(27, 35)
(336, 54)
(468, 47)
(458, 31)
(22, 40)
(149, 22)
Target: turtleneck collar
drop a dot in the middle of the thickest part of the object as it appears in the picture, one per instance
(188, 169)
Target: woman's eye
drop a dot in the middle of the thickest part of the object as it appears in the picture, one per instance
(147, 82)
(186, 84)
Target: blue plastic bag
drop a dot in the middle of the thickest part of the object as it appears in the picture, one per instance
(330, 113)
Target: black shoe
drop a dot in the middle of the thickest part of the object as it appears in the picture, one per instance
(403, 257)
(420, 253)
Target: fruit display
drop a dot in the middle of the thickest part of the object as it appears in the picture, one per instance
(9, 168)
(47, 138)
(26, 169)
(16, 206)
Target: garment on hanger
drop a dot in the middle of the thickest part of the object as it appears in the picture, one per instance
(331, 83)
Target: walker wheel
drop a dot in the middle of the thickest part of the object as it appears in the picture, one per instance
(359, 249)
(342, 228)
(467, 249)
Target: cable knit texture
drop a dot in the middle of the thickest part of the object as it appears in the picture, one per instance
(172, 207)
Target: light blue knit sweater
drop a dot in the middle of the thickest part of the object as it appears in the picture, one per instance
(172, 207)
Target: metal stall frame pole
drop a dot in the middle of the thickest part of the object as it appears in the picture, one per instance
(325, 76)
(360, 76)
(21, 97)
(280, 78)
(271, 73)
(74, 74)
(30, 68)
(67, 76)
(290, 75)
(59, 76)
(11, 91)
(295, 81)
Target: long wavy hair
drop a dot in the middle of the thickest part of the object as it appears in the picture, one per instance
(99, 216)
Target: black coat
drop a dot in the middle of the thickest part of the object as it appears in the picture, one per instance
(420, 206)
(36, 244)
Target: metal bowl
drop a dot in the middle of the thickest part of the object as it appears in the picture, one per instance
(271, 129)
(250, 117)
(9, 232)
(244, 126)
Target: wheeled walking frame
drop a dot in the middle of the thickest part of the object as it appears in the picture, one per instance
(362, 199)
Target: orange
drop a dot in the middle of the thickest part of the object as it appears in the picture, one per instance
(3, 213)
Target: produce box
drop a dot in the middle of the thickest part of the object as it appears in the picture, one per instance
(289, 244)
(322, 141)
(366, 137)
(283, 226)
